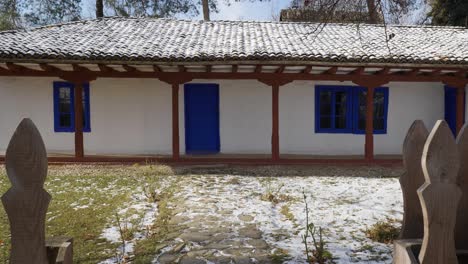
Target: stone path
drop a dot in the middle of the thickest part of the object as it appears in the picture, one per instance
(213, 230)
(228, 219)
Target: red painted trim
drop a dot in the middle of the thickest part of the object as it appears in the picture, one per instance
(175, 121)
(79, 146)
(460, 108)
(233, 161)
(275, 123)
(369, 144)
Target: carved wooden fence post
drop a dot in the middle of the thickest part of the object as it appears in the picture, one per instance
(26, 201)
(439, 196)
(412, 179)
(461, 230)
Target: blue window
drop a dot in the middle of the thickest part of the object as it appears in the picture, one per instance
(342, 109)
(64, 107)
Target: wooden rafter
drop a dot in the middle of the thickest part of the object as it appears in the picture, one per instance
(106, 69)
(258, 68)
(307, 69)
(15, 67)
(182, 68)
(156, 68)
(107, 72)
(384, 71)
(130, 68)
(357, 71)
(331, 71)
(79, 68)
(281, 69)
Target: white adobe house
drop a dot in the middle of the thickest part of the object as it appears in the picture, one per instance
(241, 92)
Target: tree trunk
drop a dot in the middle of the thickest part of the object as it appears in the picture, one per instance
(372, 8)
(99, 8)
(206, 10)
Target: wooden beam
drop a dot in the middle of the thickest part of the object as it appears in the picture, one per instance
(156, 68)
(275, 123)
(15, 67)
(331, 71)
(413, 72)
(106, 69)
(307, 69)
(281, 69)
(175, 121)
(234, 68)
(130, 68)
(258, 68)
(369, 141)
(79, 147)
(357, 71)
(79, 68)
(208, 68)
(182, 68)
(384, 71)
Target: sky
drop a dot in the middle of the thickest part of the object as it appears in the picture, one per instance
(237, 10)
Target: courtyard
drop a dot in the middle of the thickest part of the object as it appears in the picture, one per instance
(216, 214)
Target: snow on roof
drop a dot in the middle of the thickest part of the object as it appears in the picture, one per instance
(143, 40)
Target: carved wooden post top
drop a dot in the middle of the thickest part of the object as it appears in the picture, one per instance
(26, 153)
(440, 159)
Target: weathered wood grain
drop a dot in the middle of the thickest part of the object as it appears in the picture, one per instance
(461, 227)
(411, 180)
(26, 201)
(439, 196)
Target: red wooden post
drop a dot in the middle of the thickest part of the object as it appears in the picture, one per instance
(175, 121)
(369, 145)
(460, 108)
(275, 123)
(79, 146)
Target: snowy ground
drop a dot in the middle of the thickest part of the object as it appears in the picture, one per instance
(227, 219)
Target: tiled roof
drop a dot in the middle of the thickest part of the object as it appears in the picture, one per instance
(144, 40)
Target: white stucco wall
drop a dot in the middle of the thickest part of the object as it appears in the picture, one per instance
(407, 102)
(32, 98)
(130, 116)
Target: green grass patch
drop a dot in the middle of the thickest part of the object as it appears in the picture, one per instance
(85, 199)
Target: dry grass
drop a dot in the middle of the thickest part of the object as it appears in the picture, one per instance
(383, 232)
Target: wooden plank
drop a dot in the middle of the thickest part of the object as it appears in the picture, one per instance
(369, 140)
(411, 180)
(461, 230)
(26, 201)
(175, 121)
(79, 146)
(275, 123)
(234, 68)
(439, 196)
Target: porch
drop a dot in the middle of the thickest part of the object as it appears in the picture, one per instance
(275, 79)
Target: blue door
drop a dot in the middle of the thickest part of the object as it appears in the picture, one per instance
(451, 108)
(201, 118)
